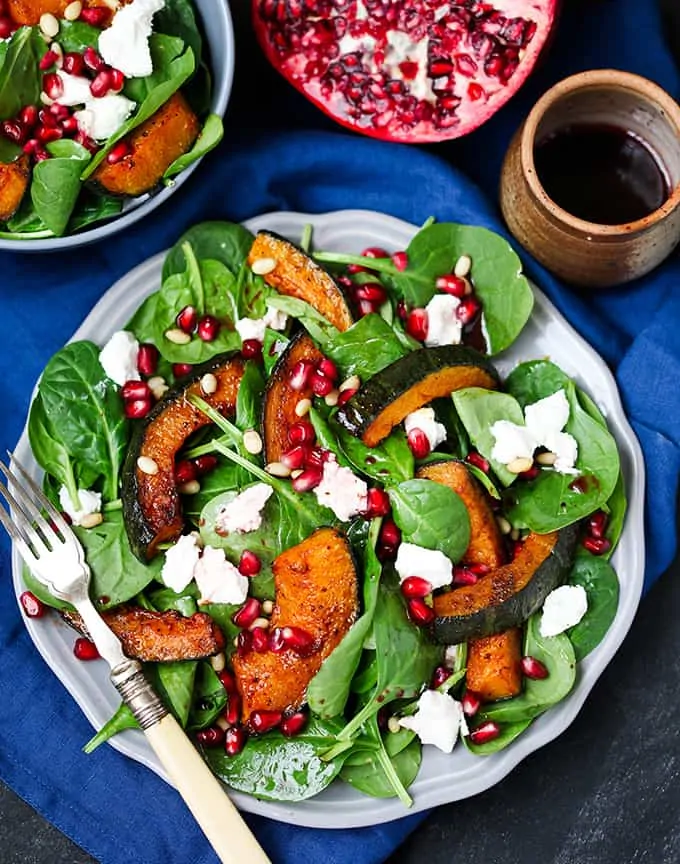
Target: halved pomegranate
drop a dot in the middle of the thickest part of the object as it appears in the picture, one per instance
(405, 70)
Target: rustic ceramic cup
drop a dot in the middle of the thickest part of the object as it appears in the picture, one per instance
(581, 252)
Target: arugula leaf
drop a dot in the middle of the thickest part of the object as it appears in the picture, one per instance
(431, 515)
(210, 136)
(56, 184)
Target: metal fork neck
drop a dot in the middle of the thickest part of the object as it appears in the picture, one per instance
(129, 680)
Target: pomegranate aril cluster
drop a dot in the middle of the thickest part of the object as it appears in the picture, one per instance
(594, 540)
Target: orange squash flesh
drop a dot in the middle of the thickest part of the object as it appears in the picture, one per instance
(28, 12)
(14, 179)
(316, 590)
(494, 669)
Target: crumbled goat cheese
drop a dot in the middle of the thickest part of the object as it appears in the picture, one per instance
(101, 118)
(243, 513)
(430, 564)
(512, 442)
(76, 90)
(254, 328)
(90, 502)
(547, 415)
(125, 44)
(119, 358)
(443, 325)
(341, 490)
(425, 420)
(218, 580)
(180, 562)
(439, 720)
(563, 608)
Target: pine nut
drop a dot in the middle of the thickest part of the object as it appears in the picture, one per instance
(49, 25)
(177, 336)
(223, 723)
(56, 49)
(218, 662)
(192, 487)
(463, 265)
(277, 469)
(514, 534)
(260, 622)
(547, 458)
(147, 465)
(262, 266)
(520, 465)
(158, 386)
(209, 384)
(351, 383)
(91, 520)
(73, 10)
(504, 526)
(331, 399)
(302, 407)
(268, 607)
(45, 100)
(295, 474)
(393, 725)
(252, 441)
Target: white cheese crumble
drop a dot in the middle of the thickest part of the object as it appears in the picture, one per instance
(425, 420)
(253, 328)
(429, 564)
(341, 491)
(443, 325)
(439, 720)
(563, 608)
(90, 502)
(101, 118)
(125, 44)
(180, 563)
(244, 513)
(119, 358)
(512, 442)
(218, 580)
(76, 90)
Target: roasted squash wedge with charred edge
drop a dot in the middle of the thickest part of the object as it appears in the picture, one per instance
(507, 596)
(297, 275)
(14, 179)
(316, 590)
(152, 510)
(408, 384)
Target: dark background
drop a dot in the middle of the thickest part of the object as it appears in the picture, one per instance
(606, 792)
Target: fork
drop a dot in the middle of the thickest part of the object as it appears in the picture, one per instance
(55, 556)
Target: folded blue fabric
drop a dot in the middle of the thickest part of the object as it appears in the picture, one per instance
(114, 808)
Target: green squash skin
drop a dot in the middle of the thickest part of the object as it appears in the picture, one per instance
(140, 533)
(357, 414)
(513, 612)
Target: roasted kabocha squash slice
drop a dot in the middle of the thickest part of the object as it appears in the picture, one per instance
(408, 384)
(295, 274)
(317, 592)
(494, 665)
(14, 179)
(280, 399)
(507, 596)
(152, 509)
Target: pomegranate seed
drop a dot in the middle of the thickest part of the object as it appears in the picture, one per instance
(478, 569)
(15, 131)
(355, 268)
(597, 545)
(213, 736)
(478, 461)
(295, 457)
(533, 668)
(486, 732)
(346, 395)
(402, 310)
(28, 116)
(451, 284)
(85, 649)
(46, 134)
(95, 16)
(233, 710)
(441, 674)
(235, 740)
(417, 325)
(390, 535)
(375, 252)
(366, 307)
(419, 443)
(227, 680)
(185, 472)
(468, 309)
(7, 27)
(179, 370)
(300, 375)
(48, 59)
(301, 432)
(298, 640)
(73, 63)
(471, 703)
(208, 328)
(464, 576)
(136, 409)
(260, 640)
(263, 721)
(531, 474)
(249, 564)
(321, 385)
(247, 613)
(40, 154)
(205, 464)
(419, 612)
(597, 524)
(328, 368)
(308, 480)
(117, 80)
(61, 112)
(86, 142)
(244, 643)
(147, 359)
(47, 117)
(251, 349)
(92, 59)
(415, 586)
(378, 503)
(33, 608)
(371, 293)
(400, 261)
(118, 152)
(53, 85)
(187, 319)
(101, 85)
(294, 724)
(69, 126)
(316, 456)
(135, 390)
(277, 643)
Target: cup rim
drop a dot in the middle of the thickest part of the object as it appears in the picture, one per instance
(581, 81)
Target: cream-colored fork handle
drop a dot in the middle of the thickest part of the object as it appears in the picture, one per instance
(221, 822)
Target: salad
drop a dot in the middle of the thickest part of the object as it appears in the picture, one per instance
(316, 512)
(99, 106)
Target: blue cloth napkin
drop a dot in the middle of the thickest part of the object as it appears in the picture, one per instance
(116, 809)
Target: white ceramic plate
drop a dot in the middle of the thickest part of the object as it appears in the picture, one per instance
(442, 778)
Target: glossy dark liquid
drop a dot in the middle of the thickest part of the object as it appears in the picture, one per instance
(601, 173)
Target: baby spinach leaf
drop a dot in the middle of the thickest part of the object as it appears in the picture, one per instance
(48, 450)
(9, 152)
(431, 515)
(225, 478)
(557, 654)
(276, 768)
(478, 410)
(210, 136)
(390, 462)
(601, 583)
(123, 719)
(77, 36)
(367, 347)
(91, 208)
(164, 49)
(175, 685)
(327, 436)
(178, 19)
(164, 599)
(41, 591)
(209, 698)
(274, 345)
(226, 242)
(249, 398)
(56, 184)
(509, 731)
(20, 75)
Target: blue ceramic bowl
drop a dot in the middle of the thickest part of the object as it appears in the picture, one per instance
(218, 32)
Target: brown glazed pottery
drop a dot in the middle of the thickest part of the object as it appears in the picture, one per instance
(581, 252)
